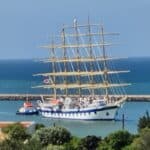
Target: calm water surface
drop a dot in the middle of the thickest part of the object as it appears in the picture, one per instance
(132, 111)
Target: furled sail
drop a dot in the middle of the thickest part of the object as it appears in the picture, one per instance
(80, 55)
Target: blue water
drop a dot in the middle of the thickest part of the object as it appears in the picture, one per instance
(16, 77)
(132, 111)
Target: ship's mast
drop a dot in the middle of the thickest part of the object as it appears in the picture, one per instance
(77, 53)
(65, 57)
(53, 68)
(104, 64)
(91, 54)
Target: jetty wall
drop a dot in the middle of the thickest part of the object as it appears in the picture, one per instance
(38, 97)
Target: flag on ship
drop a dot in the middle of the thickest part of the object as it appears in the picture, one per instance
(46, 81)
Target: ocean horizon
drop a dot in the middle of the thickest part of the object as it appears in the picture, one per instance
(16, 75)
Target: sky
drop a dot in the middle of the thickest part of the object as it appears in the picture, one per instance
(25, 25)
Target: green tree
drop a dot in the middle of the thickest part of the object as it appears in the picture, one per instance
(134, 146)
(73, 144)
(33, 144)
(89, 142)
(39, 126)
(116, 141)
(53, 135)
(42, 136)
(55, 147)
(142, 142)
(9, 128)
(144, 121)
(16, 131)
(11, 144)
(103, 145)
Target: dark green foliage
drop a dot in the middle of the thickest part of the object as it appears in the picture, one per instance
(16, 132)
(53, 135)
(11, 144)
(145, 138)
(32, 144)
(103, 145)
(116, 141)
(144, 121)
(143, 142)
(39, 126)
(55, 147)
(9, 128)
(89, 143)
(59, 135)
(43, 136)
(73, 144)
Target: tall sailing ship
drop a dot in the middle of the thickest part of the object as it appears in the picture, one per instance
(81, 75)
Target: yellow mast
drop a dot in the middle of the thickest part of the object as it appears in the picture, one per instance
(53, 68)
(91, 55)
(105, 69)
(84, 86)
(78, 54)
(65, 58)
(81, 73)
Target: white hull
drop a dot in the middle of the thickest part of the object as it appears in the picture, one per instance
(69, 72)
(104, 113)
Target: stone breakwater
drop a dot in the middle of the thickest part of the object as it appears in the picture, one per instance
(21, 96)
(38, 97)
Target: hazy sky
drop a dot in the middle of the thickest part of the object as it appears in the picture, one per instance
(27, 24)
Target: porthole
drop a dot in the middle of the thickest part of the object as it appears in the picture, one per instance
(107, 113)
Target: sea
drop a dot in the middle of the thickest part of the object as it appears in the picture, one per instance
(16, 77)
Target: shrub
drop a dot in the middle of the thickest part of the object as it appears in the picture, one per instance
(39, 126)
(16, 132)
(89, 143)
(10, 127)
(11, 144)
(142, 142)
(73, 144)
(116, 141)
(55, 147)
(32, 144)
(144, 121)
(53, 135)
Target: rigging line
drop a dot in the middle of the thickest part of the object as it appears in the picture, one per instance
(88, 55)
(86, 50)
(117, 75)
(100, 77)
(112, 79)
(121, 89)
(97, 78)
(75, 77)
(98, 63)
(101, 69)
(59, 69)
(113, 88)
(82, 54)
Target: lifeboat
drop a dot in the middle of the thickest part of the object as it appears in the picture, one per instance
(27, 109)
(27, 104)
